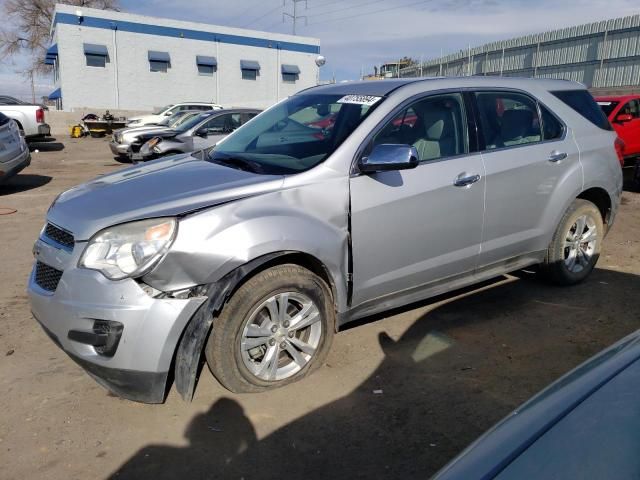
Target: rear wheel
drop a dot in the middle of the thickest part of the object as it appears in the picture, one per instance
(575, 247)
(275, 330)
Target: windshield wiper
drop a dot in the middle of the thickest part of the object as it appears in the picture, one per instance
(240, 163)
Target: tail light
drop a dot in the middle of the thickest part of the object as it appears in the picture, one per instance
(619, 146)
(39, 115)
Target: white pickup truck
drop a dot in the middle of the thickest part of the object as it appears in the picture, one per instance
(29, 117)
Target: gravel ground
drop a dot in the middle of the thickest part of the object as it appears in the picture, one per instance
(399, 397)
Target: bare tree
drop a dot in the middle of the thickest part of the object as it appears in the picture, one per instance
(28, 24)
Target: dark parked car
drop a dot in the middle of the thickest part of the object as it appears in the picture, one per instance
(583, 426)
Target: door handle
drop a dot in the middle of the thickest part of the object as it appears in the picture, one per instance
(464, 181)
(556, 156)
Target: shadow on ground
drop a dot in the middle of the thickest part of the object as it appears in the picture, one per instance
(23, 182)
(49, 144)
(438, 388)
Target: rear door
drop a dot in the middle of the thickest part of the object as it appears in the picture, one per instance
(528, 155)
(412, 228)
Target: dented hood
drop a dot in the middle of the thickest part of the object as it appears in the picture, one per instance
(174, 186)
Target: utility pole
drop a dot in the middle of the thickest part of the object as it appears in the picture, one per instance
(294, 17)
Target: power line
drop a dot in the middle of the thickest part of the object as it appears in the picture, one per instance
(244, 12)
(325, 4)
(349, 8)
(261, 17)
(370, 13)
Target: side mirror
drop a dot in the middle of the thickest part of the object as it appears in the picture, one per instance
(385, 157)
(168, 114)
(624, 117)
(202, 133)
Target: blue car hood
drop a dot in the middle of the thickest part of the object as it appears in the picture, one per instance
(171, 186)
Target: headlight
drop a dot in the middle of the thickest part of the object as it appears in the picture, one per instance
(131, 249)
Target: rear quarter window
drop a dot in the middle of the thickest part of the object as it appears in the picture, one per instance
(582, 102)
(3, 119)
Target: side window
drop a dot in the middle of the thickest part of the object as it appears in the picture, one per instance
(631, 108)
(223, 123)
(435, 125)
(508, 119)
(248, 116)
(582, 102)
(551, 126)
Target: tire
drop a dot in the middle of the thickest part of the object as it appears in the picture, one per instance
(635, 181)
(243, 340)
(569, 261)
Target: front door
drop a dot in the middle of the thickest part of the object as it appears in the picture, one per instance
(215, 130)
(414, 227)
(629, 130)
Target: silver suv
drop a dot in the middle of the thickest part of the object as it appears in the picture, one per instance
(338, 203)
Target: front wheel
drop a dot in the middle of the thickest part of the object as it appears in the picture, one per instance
(575, 247)
(274, 330)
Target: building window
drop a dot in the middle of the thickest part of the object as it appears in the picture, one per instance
(96, 55)
(159, 61)
(207, 66)
(96, 61)
(290, 73)
(250, 69)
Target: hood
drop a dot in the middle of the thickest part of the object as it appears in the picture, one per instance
(162, 133)
(176, 185)
(134, 133)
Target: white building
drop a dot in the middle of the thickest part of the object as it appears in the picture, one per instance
(113, 60)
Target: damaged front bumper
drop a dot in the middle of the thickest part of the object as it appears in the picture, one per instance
(119, 334)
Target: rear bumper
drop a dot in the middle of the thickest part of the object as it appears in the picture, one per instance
(44, 130)
(15, 165)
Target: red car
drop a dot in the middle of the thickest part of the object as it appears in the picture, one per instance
(624, 114)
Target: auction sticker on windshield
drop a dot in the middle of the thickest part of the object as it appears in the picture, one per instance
(360, 99)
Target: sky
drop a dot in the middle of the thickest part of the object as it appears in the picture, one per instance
(355, 35)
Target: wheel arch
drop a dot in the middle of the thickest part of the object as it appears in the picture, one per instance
(601, 199)
(192, 342)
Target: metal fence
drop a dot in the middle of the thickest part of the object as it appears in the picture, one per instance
(600, 55)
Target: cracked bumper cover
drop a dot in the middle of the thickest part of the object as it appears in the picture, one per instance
(138, 370)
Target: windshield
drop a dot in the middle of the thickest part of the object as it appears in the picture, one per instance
(294, 135)
(167, 107)
(608, 107)
(174, 119)
(168, 121)
(190, 122)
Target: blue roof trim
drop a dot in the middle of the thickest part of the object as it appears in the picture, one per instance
(292, 69)
(159, 56)
(95, 22)
(249, 65)
(208, 61)
(92, 49)
(56, 94)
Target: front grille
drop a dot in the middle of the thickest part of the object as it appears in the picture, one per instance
(59, 235)
(47, 277)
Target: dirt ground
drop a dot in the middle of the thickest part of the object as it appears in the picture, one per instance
(398, 398)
